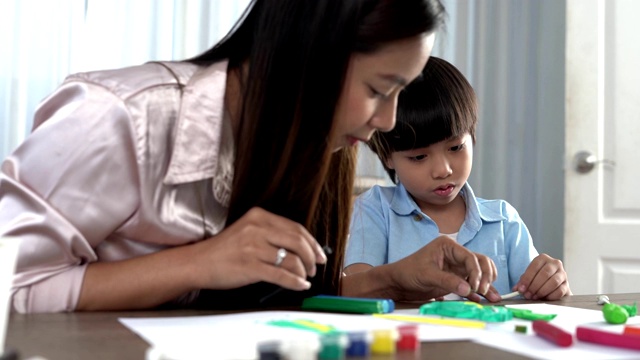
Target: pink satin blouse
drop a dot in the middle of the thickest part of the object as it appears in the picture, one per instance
(121, 163)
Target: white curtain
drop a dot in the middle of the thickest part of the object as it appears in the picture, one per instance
(43, 41)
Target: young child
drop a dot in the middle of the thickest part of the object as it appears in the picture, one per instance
(429, 156)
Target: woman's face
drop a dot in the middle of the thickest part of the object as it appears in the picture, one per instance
(370, 94)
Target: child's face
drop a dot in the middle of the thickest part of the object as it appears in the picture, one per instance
(434, 175)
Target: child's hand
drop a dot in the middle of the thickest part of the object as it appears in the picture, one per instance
(545, 278)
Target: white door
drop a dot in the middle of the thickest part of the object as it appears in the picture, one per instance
(602, 205)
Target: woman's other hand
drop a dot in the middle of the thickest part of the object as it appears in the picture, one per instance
(249, 251)
(439, 268)
(444, 266)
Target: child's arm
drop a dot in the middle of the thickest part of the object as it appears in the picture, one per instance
(545, 278)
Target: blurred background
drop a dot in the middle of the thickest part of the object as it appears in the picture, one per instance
(512, 52)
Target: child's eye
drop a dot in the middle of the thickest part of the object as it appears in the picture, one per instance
(417, 157)
(457, 147)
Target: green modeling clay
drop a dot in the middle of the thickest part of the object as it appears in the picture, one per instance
(631, 309)
(615, 314)
(467, 310)
(530, 315)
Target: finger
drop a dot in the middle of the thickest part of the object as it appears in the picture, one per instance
(559, 292)
(532, 270)
(474, 297)
(552, 284)
(493, 295)
(282, 277)
(266, 253)
(290, 226)
(545, 289)
(489, 273)
(279, 233)
(540, 286)
(453, 284)
(290, 261)
(296, 247)
(458, 255)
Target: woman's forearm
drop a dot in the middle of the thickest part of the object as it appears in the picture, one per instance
(139, 283)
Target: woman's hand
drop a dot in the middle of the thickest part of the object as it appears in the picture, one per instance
(545, 278)
(444, 266)
(242, 254)
(247, 251)
(439, 268)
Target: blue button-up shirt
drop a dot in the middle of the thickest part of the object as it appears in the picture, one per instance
(387, 225)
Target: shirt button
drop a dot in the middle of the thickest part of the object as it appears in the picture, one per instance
(417, 217)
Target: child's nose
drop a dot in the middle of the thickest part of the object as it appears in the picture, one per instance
(441, 168)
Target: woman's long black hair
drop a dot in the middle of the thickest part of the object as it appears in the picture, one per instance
(296, 54)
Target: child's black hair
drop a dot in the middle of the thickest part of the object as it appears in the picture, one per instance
(440, 104)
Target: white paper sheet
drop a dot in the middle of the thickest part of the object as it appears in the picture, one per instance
(235, 336)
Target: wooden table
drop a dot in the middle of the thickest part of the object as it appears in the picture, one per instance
(99, 335)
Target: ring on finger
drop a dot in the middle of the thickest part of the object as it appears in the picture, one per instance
(280, 255)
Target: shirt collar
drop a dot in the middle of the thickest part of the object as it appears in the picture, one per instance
(197, 138)
(476, 212)
(403, 204)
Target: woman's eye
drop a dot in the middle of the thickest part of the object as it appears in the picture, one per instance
(377, 93)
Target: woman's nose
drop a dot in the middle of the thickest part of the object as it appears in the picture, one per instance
(385, 118)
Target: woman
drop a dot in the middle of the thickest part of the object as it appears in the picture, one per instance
(232, 170)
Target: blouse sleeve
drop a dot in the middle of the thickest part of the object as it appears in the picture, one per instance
(66, 188)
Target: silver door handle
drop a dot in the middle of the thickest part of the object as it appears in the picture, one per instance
(584, 161)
